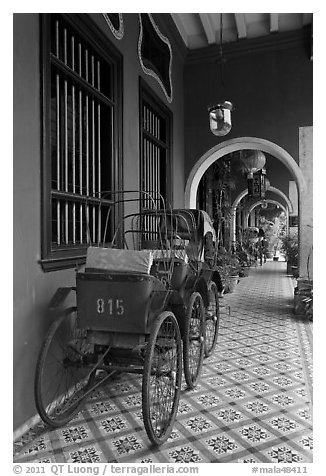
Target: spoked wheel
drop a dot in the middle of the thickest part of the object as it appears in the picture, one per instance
(162, 378)
(62, 374)
(194, 339)
(212, 317)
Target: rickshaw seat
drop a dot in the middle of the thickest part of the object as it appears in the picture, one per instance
(178, 254)
(119, 260)
(180, 260)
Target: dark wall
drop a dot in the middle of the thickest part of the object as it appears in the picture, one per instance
(132, 70)
(32, 288)
(271, 91)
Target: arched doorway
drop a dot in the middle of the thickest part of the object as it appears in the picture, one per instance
(271, 189)
(288, 209)
(253, 143)
(232, 145)
(274, 202)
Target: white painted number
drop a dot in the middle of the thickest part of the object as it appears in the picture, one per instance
(111, 307)
(100, 306)
(120, 307)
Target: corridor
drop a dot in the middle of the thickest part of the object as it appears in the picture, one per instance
(253, 403)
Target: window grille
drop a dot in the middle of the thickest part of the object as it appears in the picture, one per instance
(155, 170)
(82, 141)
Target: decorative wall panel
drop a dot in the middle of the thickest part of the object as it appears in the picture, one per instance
(115, 22)
(155, 53)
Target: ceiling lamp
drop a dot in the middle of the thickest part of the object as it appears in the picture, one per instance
(253, 162)
(220, 114)
(220, 118)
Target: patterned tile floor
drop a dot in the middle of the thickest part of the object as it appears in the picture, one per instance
(253, 402)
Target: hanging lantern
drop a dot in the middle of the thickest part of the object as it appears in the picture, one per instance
(256, 184)
(262, 174)
(220, 118)
(264, 204)
(220, 114)
(253, 162)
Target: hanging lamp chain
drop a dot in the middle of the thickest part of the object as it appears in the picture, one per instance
(221, 50)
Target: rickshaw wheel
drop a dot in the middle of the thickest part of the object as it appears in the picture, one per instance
(62, 378)
(212, 317)
(162, 375)
(194, 339)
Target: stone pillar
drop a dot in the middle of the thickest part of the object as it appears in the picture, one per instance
(238, 221)
(306, 202)
(246, 222)
(293, 196)
(233, 223)
(244, 219)
(252, 218)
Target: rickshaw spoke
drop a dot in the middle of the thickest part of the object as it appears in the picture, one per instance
(193, 339)
(162, 378)
(212, 314)
(60, 383)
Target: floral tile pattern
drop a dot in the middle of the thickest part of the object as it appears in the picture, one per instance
(184, 455)
(253, 402)
(254, 433)
(85, 455)
(74, 434)
(221, 444)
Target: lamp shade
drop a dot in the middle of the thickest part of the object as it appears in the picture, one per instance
(220, 118)
(253, 162)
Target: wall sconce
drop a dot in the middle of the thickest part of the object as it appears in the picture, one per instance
(220, 118)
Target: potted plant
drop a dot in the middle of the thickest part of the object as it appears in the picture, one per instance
(275, 256)
(303, 297)
(244, 260)
(290, 249)
(229, 267)
(308, 305)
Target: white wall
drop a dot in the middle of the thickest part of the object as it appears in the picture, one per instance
(306, 200)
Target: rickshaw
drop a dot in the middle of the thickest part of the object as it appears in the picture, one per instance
(191, 281)
(138, 308)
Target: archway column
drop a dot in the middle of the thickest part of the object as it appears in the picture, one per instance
(306, 202)
(233, 224)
